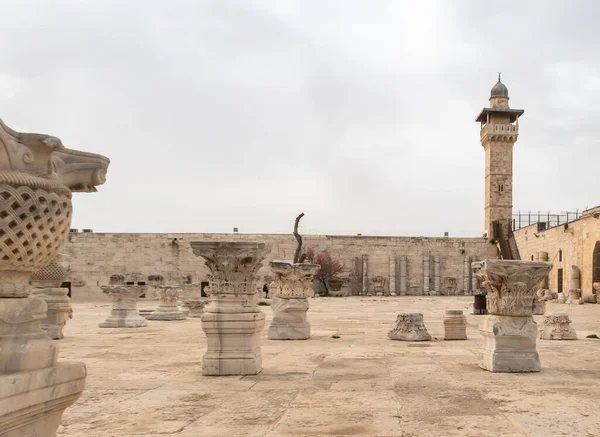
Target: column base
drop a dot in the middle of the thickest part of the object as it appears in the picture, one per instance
(409, 327)
(509, 344)
(289, 319)
(124, 319)
(32, 403)
(166, 314)
(233, 343)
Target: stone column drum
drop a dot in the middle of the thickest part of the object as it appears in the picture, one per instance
(509, 332)
(409, 327)
(455, 325)
(291, 287)
(37, 175)
(232, 321)
(557, 327)
(168, 296)
(46, 284)
(124, 313)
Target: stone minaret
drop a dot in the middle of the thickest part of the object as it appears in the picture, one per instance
(499, 131)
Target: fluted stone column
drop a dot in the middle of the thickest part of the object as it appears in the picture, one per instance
(392, 274)
(37, 176)
(292, 285)
(509, 332)
(426, 270)
(436, 275)
(365, 275)
(557, 326)
(403, 275)
(46, 284)
(232, 321)
(467, 284)
(124, 312)
(409, 327)
(167, 309)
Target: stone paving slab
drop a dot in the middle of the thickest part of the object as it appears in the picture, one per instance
(148, 381)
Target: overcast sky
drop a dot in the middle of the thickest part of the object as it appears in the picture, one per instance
(361, 114)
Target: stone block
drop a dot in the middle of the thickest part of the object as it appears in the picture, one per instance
(289, 319)
(455, 325)
(509, 344)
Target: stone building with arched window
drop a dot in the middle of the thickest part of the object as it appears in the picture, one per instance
(573, 243)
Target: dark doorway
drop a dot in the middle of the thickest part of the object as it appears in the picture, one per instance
(560, 280)
(66, 285)
(203, 285)
(596, 264)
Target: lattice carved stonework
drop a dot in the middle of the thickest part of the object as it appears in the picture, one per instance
(34, 224)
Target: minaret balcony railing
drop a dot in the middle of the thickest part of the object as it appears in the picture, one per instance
(499, 130)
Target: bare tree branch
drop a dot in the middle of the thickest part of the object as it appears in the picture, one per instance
(298, 239)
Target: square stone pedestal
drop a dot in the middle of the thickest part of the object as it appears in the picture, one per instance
(32, 403)
(233, 343)
(509, 344)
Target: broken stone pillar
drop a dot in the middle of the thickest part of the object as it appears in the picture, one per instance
(403, 261)
(436, 276)
(232, 321)
(467, 276)
(46, 285)
(557, 327)
(509, 332)
(196, 307)
(409, 327)
(596, 288)
(426, 270)
(392, 275)
(365, 275)
(574, 285)
(37, 175)
(167, 309)
(124, 312)
(291, 289)
(455, 325)
(475, 281)
(561, 298)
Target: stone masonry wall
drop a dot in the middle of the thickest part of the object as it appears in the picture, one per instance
(576, 243)
(95, 257)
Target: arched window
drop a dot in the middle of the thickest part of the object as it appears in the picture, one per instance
(596, 263)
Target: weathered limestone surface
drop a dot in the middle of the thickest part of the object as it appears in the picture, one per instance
(455, 325)
(289, 319)
(539, 306)
(196, 307)
(557, 326)
(167, 309)
(59, 310)
(409, 327)
(46, 285)
(232, 320)
(124, 312)
(509, 332)
(96, 256)
(37, 175)
(292, 285)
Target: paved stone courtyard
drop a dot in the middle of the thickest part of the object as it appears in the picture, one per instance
(148, 381)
